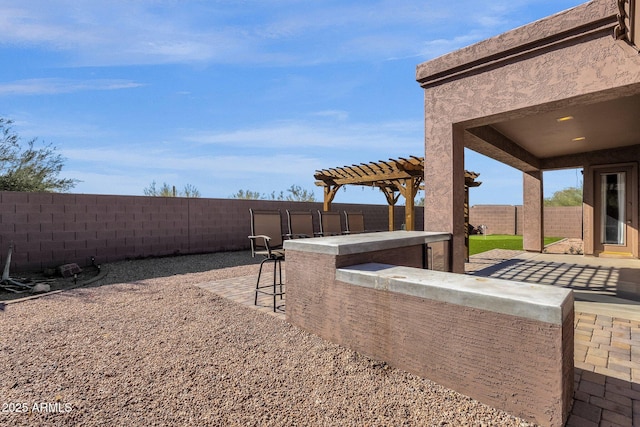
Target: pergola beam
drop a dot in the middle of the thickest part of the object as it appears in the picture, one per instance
(394, 177)
(369, 178)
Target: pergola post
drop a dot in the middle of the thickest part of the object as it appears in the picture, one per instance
(329, 194)
(409, 188)
(392, 217)
(392, 198)
(409, 206)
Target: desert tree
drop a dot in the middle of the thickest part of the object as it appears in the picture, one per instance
(30, 166)
(167, 190)
(295, 193)
(570, 196)
(299, 194)
(246, 195)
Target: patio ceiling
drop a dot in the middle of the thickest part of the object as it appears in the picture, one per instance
(567, 131)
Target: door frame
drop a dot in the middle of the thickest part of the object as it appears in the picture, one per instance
(631, 208)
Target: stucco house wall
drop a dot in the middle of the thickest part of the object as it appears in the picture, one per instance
(568, 60)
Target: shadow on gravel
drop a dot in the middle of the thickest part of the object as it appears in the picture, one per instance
(131, 271)
(137, 270)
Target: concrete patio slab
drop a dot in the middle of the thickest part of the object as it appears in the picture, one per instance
(595, 281)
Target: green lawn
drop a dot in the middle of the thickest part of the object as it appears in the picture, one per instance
(479, 244)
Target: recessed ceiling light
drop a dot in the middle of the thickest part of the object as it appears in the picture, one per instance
(580, 138)
(564, 119)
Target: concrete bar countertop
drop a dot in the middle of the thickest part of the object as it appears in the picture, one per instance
(365, 242)
(538, 302)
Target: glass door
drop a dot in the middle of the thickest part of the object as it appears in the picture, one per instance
(616, 212)
(612, 217)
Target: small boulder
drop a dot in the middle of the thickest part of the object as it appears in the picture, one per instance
(40, 287)
(68, 270)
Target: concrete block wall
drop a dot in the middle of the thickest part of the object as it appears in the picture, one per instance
(50, 229)
(559, 221)
(499, 219)
(563, 221)
(519, 220)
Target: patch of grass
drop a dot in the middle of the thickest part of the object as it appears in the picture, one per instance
(478, 244)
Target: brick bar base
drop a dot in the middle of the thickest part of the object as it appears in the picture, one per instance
(517, 364)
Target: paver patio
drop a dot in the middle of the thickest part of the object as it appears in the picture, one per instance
(242, 290)
(607, 329)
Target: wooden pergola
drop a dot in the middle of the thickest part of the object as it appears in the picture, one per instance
(394, 177)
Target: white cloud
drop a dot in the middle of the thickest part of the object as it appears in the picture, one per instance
(337, 135)
(19, 24)
(233, 164)
(335, 114)
(265, 158)
(211, 135)
(49, 86)
(258, 32)
(118, 32)
(110, 171)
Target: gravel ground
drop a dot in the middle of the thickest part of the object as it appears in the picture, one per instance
(569, 246)
(143, 347)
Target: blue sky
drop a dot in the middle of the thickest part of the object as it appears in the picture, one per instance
(239, 94)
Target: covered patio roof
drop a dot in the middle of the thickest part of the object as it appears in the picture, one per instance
(562, 92)
(554, 134)
(394, 177)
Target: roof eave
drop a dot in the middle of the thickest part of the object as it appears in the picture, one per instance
(598, 15)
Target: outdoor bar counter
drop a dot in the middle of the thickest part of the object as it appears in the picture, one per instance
(507, 344)
(406, 248)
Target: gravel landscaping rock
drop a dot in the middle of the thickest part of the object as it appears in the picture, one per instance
(143, 347)
(565, 246)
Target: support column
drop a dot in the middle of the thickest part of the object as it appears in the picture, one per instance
(329, 194)
(409, 208)
(533, 215)
(392, 198)
(409, 187)
(466, 221)
(392, 217)
(444, 187)
(588, 210)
